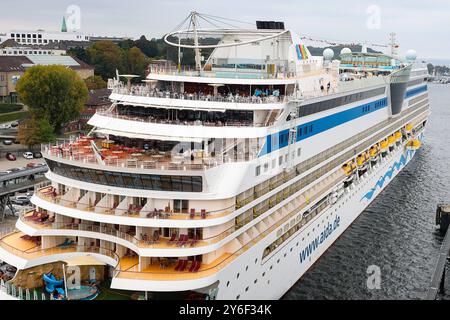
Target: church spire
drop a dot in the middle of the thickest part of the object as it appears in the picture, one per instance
(64, 26)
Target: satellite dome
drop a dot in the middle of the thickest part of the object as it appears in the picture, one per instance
(411, 55)
(328, 54)
(346, 50)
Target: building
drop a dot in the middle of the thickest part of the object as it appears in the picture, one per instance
(28, 37)
(97, 99)
(13, 67)
(12, 48)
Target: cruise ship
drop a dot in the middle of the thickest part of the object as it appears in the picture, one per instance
(227, 180)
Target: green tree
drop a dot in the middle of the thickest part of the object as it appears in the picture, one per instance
(54, 93)
(136, 62)
(95, 83)
(106, 57)
(34, 131)
(149, 48)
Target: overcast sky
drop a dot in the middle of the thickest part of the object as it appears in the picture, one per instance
(420, 24)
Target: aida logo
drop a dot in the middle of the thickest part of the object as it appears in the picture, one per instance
(324, 235)
(302, 54)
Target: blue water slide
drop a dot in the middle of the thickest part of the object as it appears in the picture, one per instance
(51, 283)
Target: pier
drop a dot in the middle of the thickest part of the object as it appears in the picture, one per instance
(438, 281)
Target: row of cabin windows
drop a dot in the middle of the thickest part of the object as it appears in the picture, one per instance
(338, 102)
(128, 180)
(284, 158)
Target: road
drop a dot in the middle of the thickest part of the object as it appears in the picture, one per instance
(20, 162)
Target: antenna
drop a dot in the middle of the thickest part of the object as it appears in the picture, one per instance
(393, 43)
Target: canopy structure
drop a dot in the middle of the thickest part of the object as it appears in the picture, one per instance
(83, 261)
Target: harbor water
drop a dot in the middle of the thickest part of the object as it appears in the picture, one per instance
(397, 232)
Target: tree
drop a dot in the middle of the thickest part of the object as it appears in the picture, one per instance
(149, 48)
(136, 62)
(106, 57)
(95, 83)
(35, 131)
(54, 93)
(78, 52)
(430, 68)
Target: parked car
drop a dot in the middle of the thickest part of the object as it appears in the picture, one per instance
(37, 155)
(7, 142)
(16, 141)
(28, 155)
(15, 124)
(21, 200)
(11, 157)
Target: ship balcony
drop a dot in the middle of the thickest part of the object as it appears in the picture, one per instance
(124, 213)
(146, 243)
(125, 154)
(24, 251)
(210, 98)
(130, 271)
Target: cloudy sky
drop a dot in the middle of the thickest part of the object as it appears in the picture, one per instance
(422, 25)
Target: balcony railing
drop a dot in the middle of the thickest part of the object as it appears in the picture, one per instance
(40, 221)
(134, 211)
(145, 91)
(149, 119)
(37, 252)
(127, 158)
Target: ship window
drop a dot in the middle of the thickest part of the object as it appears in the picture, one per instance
(155, 181)
(258, 170)
(125, 180)
(180, 206)
(128, 180)
(280, 160)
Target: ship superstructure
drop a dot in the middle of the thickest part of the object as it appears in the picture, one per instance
(231, 178)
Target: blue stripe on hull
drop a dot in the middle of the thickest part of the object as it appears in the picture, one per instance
(280, 140)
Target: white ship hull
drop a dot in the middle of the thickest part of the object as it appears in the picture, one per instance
(287, 267)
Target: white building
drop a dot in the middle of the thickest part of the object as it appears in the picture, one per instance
(27, 37)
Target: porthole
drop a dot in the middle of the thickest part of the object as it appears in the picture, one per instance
(264, 274)
(246, 289)
(256, 261)
(256, 280)
(237, 276)
(237, 297)
(271, 267)
(278, 261)
(291, 249)
(285, 255)
(228, 283)
(246, 268)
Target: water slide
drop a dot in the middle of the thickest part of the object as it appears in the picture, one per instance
(51, 283)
